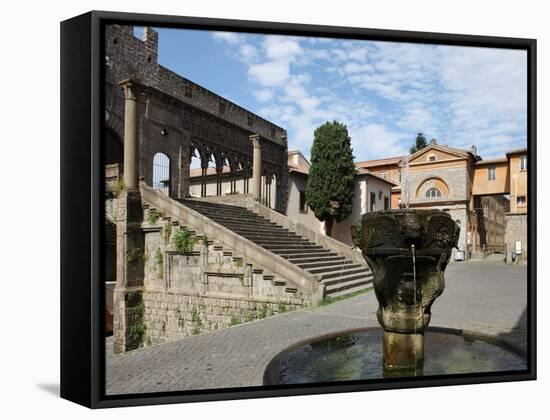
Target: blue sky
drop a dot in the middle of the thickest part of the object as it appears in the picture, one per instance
(384, 92)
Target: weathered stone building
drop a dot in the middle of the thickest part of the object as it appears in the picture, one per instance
(178, 266)
(474, 191)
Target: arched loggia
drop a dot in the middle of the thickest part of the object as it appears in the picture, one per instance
(161, 173)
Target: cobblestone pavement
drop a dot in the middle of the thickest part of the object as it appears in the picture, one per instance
(487, 297)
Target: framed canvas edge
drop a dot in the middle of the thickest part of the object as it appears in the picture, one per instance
(91, 392)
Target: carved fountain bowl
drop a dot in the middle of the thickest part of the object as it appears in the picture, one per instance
(405, 291)
(407, 251)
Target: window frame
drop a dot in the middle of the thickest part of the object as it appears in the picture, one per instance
(491, 169)
(302, 202)
(429, 196)
(523, 163)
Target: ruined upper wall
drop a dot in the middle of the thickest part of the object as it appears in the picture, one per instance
(129, 57)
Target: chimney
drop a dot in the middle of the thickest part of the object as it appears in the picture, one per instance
(433, 141)
(473, 150)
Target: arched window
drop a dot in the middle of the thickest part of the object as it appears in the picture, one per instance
(433, 193)
(161, 173)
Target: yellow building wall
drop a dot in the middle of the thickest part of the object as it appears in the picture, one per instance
(439, 156)
(390, 172)
(518, 184)
(483, 186)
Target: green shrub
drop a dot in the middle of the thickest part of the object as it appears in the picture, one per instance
(166, 232)
(153, 216)
(183, 240)
(117, 187)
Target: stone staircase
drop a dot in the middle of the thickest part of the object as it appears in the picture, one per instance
(340, 275)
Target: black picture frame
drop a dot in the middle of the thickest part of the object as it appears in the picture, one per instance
(82, 212)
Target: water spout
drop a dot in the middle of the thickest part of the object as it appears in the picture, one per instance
(391, 241)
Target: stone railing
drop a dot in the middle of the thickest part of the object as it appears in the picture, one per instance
(304, 281)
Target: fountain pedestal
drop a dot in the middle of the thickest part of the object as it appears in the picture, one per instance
(407, 251)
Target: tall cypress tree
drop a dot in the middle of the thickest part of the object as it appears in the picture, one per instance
(419, 143)
(331, 176)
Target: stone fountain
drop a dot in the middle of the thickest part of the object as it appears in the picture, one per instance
(407, 251)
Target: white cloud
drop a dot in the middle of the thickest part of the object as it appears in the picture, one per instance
(248, 53)
(375, 141)
(281, 48)
(386, 92)
(230, 37)
(263, 95)
(271, 74)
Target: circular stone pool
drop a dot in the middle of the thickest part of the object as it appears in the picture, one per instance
(358, 355)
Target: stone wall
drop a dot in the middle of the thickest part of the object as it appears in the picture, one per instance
(179, 118)
(456, 179)
(516, 230)
(202, 289)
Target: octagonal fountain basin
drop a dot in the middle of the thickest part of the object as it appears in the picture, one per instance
(358, 355)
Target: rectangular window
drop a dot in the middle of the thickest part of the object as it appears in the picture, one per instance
(188, 92)
(303, 203)
(523, 162)
(492, 173)
(382, 174)
(372, 201)
(521, 200)
(386, 203)
(399, 175)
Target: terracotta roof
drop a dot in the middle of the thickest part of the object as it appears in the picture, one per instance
(494, 160)
(362, 171)
(517, 151)
(378, 162)
(292, 168)
(303, 164)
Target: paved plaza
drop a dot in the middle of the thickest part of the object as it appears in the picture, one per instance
(483, 296)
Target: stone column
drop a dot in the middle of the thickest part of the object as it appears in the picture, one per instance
(219, 175)
(131, 134)
(130, 245)
(256, 166)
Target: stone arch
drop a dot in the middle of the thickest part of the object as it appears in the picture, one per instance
(114, 123)
(162, 173)
(110, 272)
(114, 148)
(432, 183)
(267, 186)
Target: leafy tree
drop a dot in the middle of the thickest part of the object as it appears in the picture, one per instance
(330, 183)
(419, 143)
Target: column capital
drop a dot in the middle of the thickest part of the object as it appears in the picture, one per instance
(129, 87)
(255, 139)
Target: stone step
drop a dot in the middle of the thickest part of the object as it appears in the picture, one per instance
(236, 225)
(277, 248)
(266, 241)
(201, 203)
(269, 237)
(238, 220)
(215, 207)
(335, 268)
(344, 279)
(321, 264)
(349, 288)
(341, 273)
(329, 256)
(286, 253)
